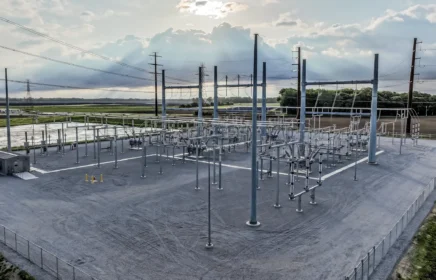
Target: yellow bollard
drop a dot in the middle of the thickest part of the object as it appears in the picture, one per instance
(86, 178)
(93, 179)
(101, 178)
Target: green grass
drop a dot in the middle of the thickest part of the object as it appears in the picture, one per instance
(25, 121)
(120, 109)
(9, 271)
(424, 256)
(92, 109)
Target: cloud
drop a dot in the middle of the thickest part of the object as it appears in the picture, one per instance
(210, 8)
(286, 20)
(343, 52)
(417, 12)
(431, 17)
(268, 2)
(334, 51)
(87, 16)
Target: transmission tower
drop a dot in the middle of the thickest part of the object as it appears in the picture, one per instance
(29, 99)
(155, 64)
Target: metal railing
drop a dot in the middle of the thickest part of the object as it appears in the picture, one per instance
(47, 261)
(375, 255)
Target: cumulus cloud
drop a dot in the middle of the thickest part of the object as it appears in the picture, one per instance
(89, 16)
(334, 51)
(267, 2)
(287, 20)
(343, 52)
(210, 8)
(432, 17)
(417, 12)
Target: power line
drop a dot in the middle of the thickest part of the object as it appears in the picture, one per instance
(73, 87)
(388, 86)
(395, 72)
(177, 79)
(73, 64)
(70, 45)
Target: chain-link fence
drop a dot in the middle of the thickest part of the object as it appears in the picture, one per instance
(42, 258)
(373, 258)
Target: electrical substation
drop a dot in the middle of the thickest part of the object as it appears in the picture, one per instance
(275, 195)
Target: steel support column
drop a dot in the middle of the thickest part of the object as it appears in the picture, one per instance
(373, 131)
(253, 215)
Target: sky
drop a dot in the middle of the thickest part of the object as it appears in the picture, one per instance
(338, 38)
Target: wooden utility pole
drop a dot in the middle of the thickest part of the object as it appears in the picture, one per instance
(155, 81)
(239, 79)
(411, 83)
(227, 79)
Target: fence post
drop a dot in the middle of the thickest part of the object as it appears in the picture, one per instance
(15, 234)
(57, 267)
(42, 263)
(402, 224)
(369, 261)
(4, 235)
(390, 239)
(361, 277)
(383, 248)
(74, 273)
(355, 273)
(28, 250)
(373, 260)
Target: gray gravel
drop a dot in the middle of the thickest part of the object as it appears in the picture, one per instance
(156, 228)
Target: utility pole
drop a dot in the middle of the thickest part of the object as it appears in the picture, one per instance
(29, 97)
(239, 78)
(411, 84)
(227, 79)
(8, 117)
(155, 80)
(298, 64)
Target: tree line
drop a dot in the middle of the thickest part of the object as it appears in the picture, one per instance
(223, 101)
(423, 103)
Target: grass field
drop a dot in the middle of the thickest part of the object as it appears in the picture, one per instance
(420, 260)
(428, 124)
(110, 108)
(92, 109)
(24, 120)
(9, 271)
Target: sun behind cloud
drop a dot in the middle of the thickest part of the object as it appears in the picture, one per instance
(213, 9)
